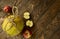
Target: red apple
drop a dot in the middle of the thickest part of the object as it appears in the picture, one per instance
(27, 34)
(7, 9)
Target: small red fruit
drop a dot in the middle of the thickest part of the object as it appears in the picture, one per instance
(27, 34)
(7, 9)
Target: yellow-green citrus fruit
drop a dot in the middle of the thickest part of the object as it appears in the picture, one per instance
(13, 27)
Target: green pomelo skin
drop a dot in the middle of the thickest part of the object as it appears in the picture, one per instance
(12, 29)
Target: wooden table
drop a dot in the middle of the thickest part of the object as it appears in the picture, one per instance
(44, 13)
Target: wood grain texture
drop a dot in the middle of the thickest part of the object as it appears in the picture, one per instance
(44, 13)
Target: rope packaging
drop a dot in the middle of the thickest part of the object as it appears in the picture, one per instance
(13, 24)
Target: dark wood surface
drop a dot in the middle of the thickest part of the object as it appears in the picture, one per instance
(44, 13)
